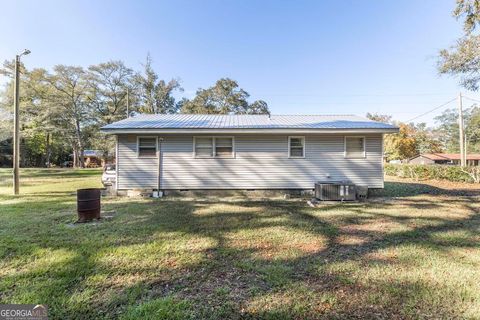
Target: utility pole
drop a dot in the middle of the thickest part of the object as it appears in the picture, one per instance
(128, 103)
(16, 124)
(463, 156)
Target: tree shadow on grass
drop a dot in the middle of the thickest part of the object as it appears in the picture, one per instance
(239, 260)
(408, 189)
(276, 275)
(273, 275)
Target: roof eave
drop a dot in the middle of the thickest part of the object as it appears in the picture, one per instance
(247, 131)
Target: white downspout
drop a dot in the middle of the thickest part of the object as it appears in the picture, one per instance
(158, 193)
(117, 168)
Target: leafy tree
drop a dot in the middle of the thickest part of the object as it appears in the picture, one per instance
(470, 9)
(6, 128)
(63, 110)
(109, 84)
(449, 132)
(6, 98)
(258, 107)
(402, 145)
(391, 142)
(379, 117)
(107, 90)
(473, 130)
(448, 129)
(426, 140)
(156, 96)
(6, 116)
(70, 106)
(225, 97)
(411, 140)
(463, 59)
(36, 126)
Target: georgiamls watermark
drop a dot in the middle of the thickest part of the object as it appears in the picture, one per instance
(23, 312)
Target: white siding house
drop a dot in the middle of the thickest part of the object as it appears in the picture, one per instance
(186, 152)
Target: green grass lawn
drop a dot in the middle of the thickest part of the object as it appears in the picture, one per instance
(414, 253)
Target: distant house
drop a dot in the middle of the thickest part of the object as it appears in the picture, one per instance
(93, 158)
(444, 158)
(187, 152)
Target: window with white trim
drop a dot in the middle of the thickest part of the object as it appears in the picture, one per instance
(204, 147)
(355, 147)
(296, 147)
(223, 147)
(214, 147)
(147, 147)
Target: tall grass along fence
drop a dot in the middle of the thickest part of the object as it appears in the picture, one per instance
(439, 172)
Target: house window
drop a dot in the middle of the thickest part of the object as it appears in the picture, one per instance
(224, 147)
(204, 147)
(355, 147)
(147, 147)
(214, 147)
(296, 147)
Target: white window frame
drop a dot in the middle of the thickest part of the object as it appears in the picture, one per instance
(138, 147)
(345, 147)
(214, 138)
(304, 147)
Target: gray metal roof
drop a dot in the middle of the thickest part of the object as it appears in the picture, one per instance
(156, 122)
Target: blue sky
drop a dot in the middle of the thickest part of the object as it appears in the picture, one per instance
(302, 57)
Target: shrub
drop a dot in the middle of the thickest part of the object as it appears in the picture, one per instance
(439, 172)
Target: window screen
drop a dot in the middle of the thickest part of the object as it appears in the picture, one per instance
(204, 147)
(223, 147)
(354, 147)
(214, 147)
(147, 147)
(297, 147)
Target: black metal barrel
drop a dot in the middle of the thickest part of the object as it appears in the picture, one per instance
(88, 204)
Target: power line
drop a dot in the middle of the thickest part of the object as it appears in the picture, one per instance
(475, 100)
(351, 95)
(436, 108)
